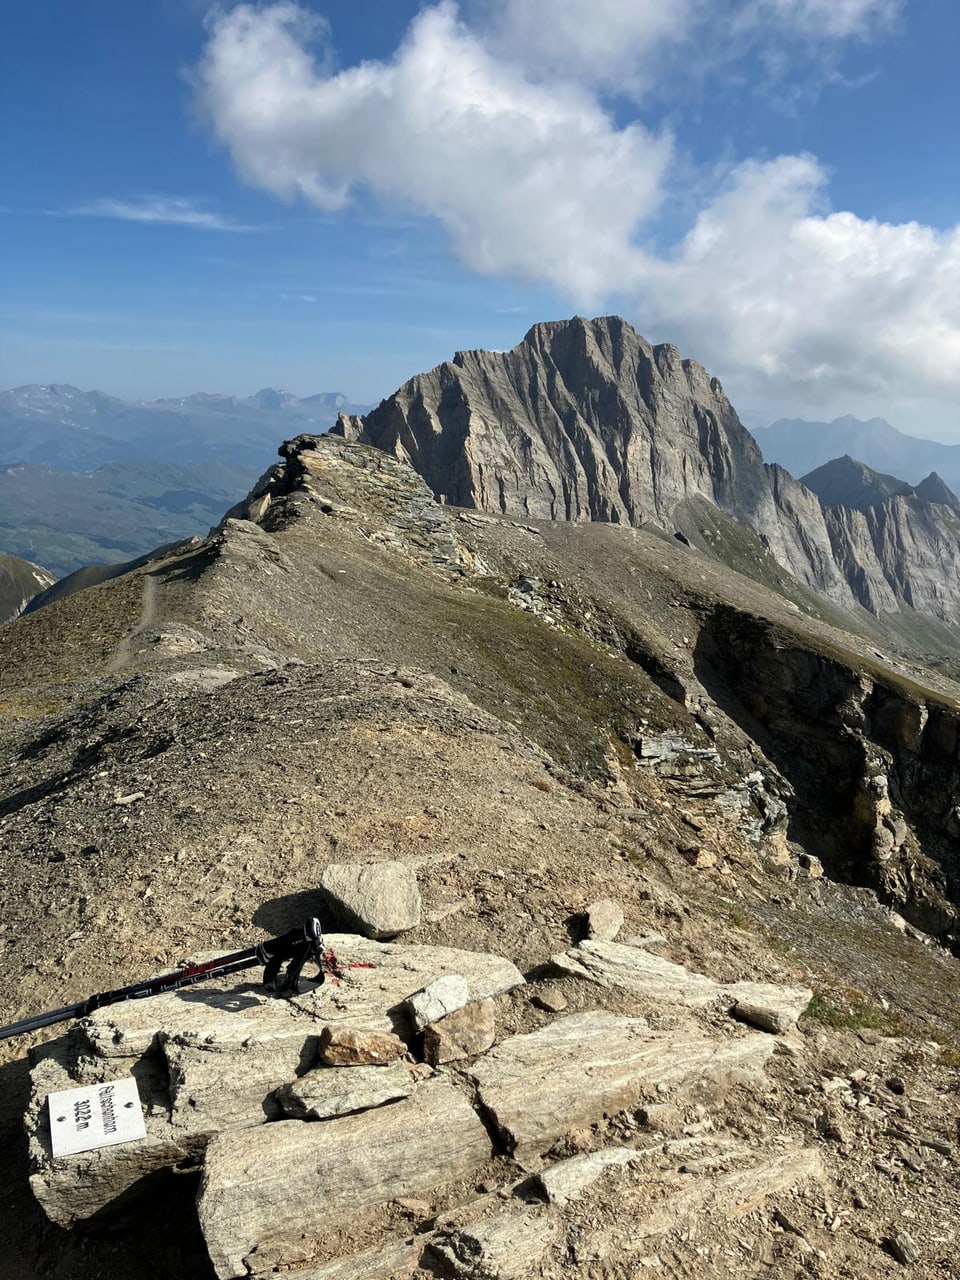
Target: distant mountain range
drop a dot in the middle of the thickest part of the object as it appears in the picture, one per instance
(86, 478)
(802, 446)
(847, 482)
(61, 426)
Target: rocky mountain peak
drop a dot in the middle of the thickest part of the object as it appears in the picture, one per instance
(847, 482)
(584, 420)
(934, 489)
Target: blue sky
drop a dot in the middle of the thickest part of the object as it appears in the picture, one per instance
(333, 196)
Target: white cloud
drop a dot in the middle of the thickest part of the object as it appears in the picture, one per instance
(628, 48)
(793, 304)
(514, 171)
(609, 44)
(827, 19)
(168, 210)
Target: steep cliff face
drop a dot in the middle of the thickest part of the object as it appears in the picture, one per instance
(586, 421)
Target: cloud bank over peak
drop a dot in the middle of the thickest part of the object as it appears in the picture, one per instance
(514, 170)
(500, 130)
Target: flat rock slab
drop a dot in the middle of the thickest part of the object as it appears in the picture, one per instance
(623, 967)
(771, 1008)
(329, 1092)
(393, 1263)
(568, 1179)
(729, 1196)
(283, 1183)
(541, 1086)
(509, 1246)
(397, 972)
(618, 966)
(380, 899)
(227, 1010)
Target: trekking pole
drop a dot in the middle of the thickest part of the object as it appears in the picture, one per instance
(293, 948)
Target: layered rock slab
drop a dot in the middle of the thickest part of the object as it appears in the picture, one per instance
(324, 1094)
(285, 1182)
(541, 1086)
(508, 1246)
(620, 966)
(686, 1201)
(223, 1049)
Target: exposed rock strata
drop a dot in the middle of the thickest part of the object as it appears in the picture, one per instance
(540, 1086)
(584, 420)
(255, 1185)
(662, 982)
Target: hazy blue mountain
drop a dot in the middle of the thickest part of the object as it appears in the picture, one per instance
(88, 479)
(802, 446)
(62, 426)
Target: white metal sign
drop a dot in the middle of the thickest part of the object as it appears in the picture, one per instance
(98, 1115)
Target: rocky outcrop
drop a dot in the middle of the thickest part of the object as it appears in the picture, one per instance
(541, 1086)
(585, 420)
(20, 582)
(267, 1184)
(874, 763)
(212, 1061)
(661, 982)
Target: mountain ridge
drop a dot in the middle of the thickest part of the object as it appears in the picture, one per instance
(801, 446)
(848, 482)
(585, 420)
(534, 717)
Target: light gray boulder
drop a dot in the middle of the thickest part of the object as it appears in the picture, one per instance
(604, 919)
(379, 899)
(437, 1000)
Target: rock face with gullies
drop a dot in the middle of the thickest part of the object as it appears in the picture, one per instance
(20, 581)
(586, 421)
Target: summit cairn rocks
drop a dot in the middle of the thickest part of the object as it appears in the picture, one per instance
(271, 1183)
(541, 1086)
(440, 998)
(378, 899)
